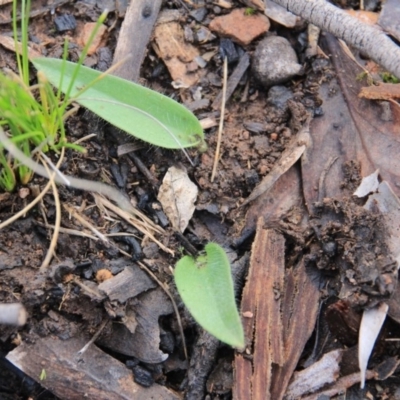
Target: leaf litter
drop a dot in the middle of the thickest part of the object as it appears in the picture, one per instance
(289, 216)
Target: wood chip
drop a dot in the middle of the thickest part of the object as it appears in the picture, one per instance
(134, 36)
(284, 304)
(385, 91)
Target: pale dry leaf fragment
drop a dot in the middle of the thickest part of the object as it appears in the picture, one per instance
(369, 184)
(279, 14)
(389, 205)
(371, 323)
(177, 196)
(319, 374)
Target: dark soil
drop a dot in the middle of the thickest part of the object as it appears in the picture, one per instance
(64, 303)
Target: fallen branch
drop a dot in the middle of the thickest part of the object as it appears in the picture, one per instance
(368, 39)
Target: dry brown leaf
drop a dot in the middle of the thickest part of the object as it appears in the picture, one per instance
(177, 54)
(9, 44)
(351, 129)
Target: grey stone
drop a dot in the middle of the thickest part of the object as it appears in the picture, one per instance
(275, 61)
(278, 96)
(199, 14)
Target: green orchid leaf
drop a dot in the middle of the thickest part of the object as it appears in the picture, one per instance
(206, 287)
(139, 111)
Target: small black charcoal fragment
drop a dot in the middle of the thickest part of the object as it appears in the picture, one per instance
(142, 376)
(65, 22)
(227, 49)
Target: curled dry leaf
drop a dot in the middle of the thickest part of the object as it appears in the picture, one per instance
(177, 196)
(371, 323)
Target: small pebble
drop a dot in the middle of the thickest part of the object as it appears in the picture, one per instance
(274, 136)
(142, 376)
(217, 10)
(275, 61)
(278, 96)
(199, 14)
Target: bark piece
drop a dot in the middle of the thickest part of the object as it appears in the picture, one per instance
(93, 375)
(134, 37)
(177, 54)
(144, 342)
(319, 374)
(128, 283)
(279, 318)
(239, 27)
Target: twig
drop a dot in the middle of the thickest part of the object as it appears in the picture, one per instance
(85, 223)
(221, 121)
(93, 339)
(57, 224)
(366, 38)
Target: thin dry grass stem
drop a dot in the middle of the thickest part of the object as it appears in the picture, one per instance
(32, 204)
(54, 239)
(117, 234)
(85, 138)
(168, 293)
(94, 338)
(84, 222)
(86, 288)
(138, 220)
(221, 120)
(72, 232)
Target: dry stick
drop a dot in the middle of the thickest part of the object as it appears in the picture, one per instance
(57, 224)
(368, 39)
(221, 121)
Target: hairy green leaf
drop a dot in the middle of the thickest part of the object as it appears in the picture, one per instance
(137, 110)
(206, 287)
